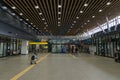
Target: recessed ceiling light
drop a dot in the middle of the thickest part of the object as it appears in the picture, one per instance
(59, 25)
(81, 11)
(100, 10)
(58, 22)
(88, 21)
(13, 14)
(71, 27)
(73, 24)
(31, 23)
(59, 18)
(43, 19)
(26, 23)
(85, 4)
(40, 13)
(20, 19)
(36, 7)
(34, 25)
(93, 16)
(59, 6)
(13, 7)
(59, 12)
(27, 19)
(21, 13)
(108, 3)
(45, 23)
(77, 17)
(74, 21)
(85, 23)
(4, 7)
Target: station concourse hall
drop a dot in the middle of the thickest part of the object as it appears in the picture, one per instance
(59, 39)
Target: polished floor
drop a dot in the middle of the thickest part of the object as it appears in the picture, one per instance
(59, 67)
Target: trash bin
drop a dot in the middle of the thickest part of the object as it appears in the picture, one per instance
(95, 53)
(117, 57)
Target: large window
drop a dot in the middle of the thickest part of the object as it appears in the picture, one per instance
(112, 22)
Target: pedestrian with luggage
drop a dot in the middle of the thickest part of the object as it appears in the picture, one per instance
(34, 58)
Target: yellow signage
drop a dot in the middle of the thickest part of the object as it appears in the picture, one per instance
(38, 42)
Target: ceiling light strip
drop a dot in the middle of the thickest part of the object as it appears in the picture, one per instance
(64, 11)
(61, 17)
(15, 3)
(68, 10)
(56, 8)
(91, 5)
(74, 9)
(43, 12)
(52, 12)
(49, 12)
(47, 17)
(39, 17)
(32, 10)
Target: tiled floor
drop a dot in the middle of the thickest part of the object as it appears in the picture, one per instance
(61, 67)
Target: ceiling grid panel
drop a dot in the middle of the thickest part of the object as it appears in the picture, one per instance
(31, 11)
(20, 9)
(74, 14)
(64, 11)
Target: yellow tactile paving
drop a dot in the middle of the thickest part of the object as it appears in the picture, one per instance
(28, 68)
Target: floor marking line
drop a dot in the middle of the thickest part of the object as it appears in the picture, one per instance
(28, 68)
(73, 56)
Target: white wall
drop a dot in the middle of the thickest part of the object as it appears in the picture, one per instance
(92, 49)
(24, 48)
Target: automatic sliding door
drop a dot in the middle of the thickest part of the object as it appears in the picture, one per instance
(1, 49)
(4, 49)
(56, 48)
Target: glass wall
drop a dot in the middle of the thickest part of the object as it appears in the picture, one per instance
(60, 46)
(1, 48)
(107, 44)
(9, 46)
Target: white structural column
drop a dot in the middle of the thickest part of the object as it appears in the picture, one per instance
(37, 46)
(92, 49)
(101, 27)
(24, 48)
(108, 27)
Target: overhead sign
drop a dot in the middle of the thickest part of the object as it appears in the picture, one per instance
(43, 42)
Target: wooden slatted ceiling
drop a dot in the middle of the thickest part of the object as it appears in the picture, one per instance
(69, 11)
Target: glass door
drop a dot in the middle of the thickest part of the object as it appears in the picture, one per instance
(1, 49)
(4, 49)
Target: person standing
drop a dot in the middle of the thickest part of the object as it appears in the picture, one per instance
(76, 51)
